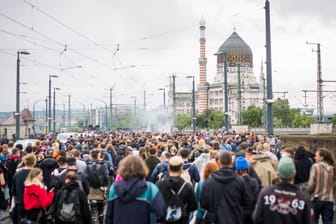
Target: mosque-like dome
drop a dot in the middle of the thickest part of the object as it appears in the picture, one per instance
(236, 51)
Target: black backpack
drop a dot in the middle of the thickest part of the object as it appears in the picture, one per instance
(96, 174)
(176, 210)
(68, 209)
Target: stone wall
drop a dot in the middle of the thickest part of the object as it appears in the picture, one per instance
(311, 142)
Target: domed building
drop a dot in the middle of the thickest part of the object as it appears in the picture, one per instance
(243, 88)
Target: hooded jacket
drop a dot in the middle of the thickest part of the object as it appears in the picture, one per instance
(265, 167)
(36, 196)
(187, 194)
(224, 195)
(282, 203)
(85, 212)
(134, 201)
(302, 166)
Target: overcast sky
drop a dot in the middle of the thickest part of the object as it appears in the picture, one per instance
(132, 46)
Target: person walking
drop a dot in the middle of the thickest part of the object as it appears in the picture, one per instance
(68, 194)
(321, 185)
(36, 198)
(133, 199)
(17, 190)
(224, 195)
(302, 165)
(283, 202)
(175, 189)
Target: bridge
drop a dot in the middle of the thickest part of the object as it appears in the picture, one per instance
(295, 137)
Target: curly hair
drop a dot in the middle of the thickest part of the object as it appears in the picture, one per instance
(132, 166)
(323, 152)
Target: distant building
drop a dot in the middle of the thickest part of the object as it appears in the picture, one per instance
(8, 126)
(244, 89)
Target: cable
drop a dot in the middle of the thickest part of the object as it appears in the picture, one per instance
(68, 27)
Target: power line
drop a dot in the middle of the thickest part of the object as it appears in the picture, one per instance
(68, 27)
(55, 41)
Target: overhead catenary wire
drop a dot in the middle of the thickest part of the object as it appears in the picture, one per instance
(55, 41)
(68, 27)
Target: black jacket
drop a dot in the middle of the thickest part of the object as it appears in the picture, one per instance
(282, 203)
(302, 166)
(48, 165)
(224, 195)
(187, 194)
(85, 212)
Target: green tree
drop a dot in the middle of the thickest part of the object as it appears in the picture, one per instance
(302, 120)
(252, 116)
(333, 119)
(183, 121)
(210, 118)
(282, 112)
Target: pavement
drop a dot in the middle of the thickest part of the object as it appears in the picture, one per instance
(5, 218)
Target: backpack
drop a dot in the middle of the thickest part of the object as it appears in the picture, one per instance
(68, 209)
(176, 210)
(185, 175)
(96, 174)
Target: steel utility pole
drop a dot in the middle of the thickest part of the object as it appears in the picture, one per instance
(319, 83)
(269, 100)
(283, 92)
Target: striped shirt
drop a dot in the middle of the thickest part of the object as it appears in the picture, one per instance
(320, 181)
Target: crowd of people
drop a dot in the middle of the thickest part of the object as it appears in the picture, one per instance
(151, 177)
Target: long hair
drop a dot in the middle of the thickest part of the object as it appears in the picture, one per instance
(32, 177)
(328, 158)
(210, 168)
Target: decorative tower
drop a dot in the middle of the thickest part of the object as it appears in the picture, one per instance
(203, 85)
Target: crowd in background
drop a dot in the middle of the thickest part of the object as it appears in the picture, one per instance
(142, 177)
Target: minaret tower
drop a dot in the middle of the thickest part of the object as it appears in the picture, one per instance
(203, 85)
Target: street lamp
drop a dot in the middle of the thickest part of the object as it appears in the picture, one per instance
(17, 113)
(54, 110)
(164, 99)
(49, 116)
(226, 96)
(193, 102)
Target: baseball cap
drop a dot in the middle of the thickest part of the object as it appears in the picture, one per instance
(286, 168)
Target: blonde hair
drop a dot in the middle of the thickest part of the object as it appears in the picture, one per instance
(32, 177)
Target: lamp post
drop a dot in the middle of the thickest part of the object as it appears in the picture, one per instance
(269, 100)
(17, 113)
(193, 103)
(49, 108)
(226, 97)
(54, 110)
(164, 99)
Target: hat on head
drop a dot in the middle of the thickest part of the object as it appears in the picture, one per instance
(71, 161)
(241, 163)
(286, 168)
